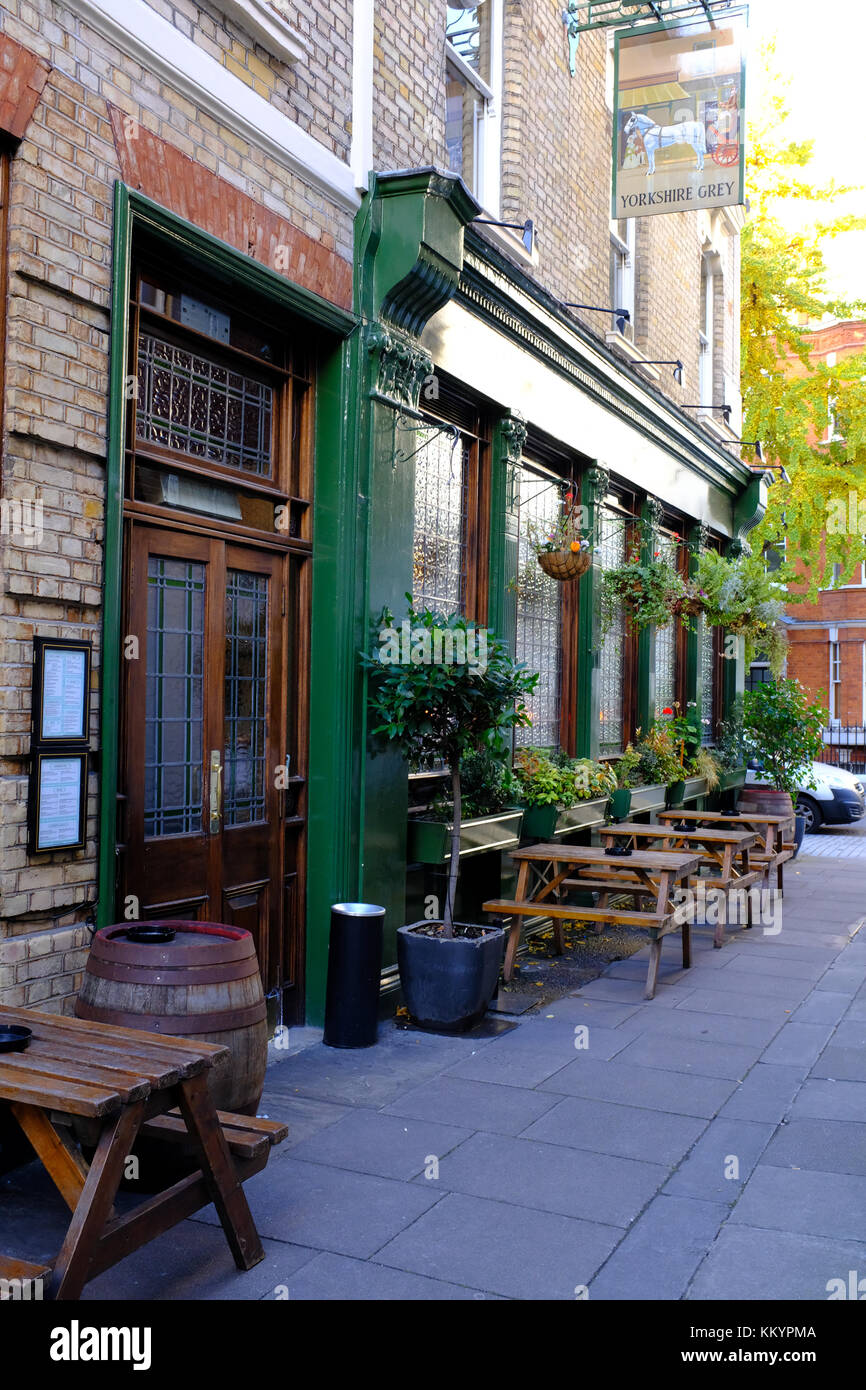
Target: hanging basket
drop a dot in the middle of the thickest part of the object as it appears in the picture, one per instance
(565, 564)
(690, 606)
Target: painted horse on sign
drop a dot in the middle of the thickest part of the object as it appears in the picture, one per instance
(656, 137)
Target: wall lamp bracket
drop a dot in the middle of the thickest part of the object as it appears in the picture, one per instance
(670, 362)
(702, 405)
(527, 228)
(621, 316)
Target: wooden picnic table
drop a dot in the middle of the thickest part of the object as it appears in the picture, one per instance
(724, 851)
(118, 1081)
(775, 850)
(650, 874)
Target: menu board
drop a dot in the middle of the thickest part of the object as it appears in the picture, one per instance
(64, 680)
(61, 787)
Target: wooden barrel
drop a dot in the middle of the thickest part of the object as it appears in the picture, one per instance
(204, 983)
(756, 800)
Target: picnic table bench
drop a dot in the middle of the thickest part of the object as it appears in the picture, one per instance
(775, 850)
(123, 1083)
(724, 851)
(651, 874)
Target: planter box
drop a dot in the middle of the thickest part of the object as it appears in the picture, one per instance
(648, 799)
(584, 816)
(695, 786)
(549, 822)
(729, 780)
(429, 841)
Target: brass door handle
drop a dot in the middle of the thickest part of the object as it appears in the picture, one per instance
(216, 791)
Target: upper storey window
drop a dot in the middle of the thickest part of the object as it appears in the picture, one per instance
(473, 72)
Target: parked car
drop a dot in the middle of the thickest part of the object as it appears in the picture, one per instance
(837, 798)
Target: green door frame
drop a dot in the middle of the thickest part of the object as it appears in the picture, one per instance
(332, 861)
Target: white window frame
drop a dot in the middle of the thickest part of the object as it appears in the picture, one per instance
(487, 153)
(705, 339)
(623, 260)
(835, 680)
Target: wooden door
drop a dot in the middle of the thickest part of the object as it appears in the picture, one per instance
(205, 737)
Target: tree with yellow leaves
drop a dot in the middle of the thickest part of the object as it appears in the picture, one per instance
(784, 287)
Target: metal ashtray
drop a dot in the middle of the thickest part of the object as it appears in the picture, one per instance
(618, 851)
(14, 1039)
(150, 936)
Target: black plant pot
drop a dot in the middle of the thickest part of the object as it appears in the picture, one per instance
(448, 984)
(799, 832)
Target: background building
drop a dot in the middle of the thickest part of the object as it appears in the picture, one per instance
(251, 295)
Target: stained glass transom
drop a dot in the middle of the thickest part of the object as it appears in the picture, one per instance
(174, 719)
(539, 611)
(195, 404)
(611, 665)
(439, 551)
(246, 677)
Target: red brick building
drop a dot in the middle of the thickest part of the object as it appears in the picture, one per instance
(828, 637)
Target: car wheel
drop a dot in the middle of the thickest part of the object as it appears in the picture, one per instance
(811, 813)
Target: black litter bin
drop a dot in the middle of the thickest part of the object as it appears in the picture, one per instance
(354, 971)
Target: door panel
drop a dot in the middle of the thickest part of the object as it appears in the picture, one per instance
(205, 717)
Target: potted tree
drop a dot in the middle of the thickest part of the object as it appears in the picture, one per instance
(783, 733)
(439, 709)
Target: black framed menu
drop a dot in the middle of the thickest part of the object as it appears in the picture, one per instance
(61, 691)
(57, 804)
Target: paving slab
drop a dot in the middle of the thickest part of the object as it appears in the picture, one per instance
(389, 1146)
(810, 1202)
(704, 1026)
(735, 1004)
(677, 1092)
(730, 1060)
(337, 1277)
(193, 1261)
(367, 1076)
(658, 1257)
(823, 1007)
(551, 1177)
(303, 1115)
(476, 1105)
(834, 1146)
(826, 1099)
(841, 1063)
(495, 1247)
(754, 1265)
(330, 1209)
(626, 1131)
(719, 1165)
(766, 1094)
(798, 1044)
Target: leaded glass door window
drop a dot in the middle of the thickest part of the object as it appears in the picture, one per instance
(539, 608)
(666, 639)
(708, 683)
(206, 736)
(439, 555)
(613, 538)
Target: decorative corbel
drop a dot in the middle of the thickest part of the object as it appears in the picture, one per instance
(513, 431)
(399, 367)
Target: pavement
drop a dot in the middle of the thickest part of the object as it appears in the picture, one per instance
(707, 1144)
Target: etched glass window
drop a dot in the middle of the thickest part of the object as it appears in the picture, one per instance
(539, 610)
(174, 722)
(708, 683)
(611, 665)
(439, 551)
(246, 685)
(195, 404)
(666, 640)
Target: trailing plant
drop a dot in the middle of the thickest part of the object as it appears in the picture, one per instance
(731, 748)
(443, 710)
(704, 763)
(648, 592)
(743, 598)
(784, 731)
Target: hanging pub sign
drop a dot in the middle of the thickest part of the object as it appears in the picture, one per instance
(678, 124)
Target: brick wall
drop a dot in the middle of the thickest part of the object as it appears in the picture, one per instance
(59, 264)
